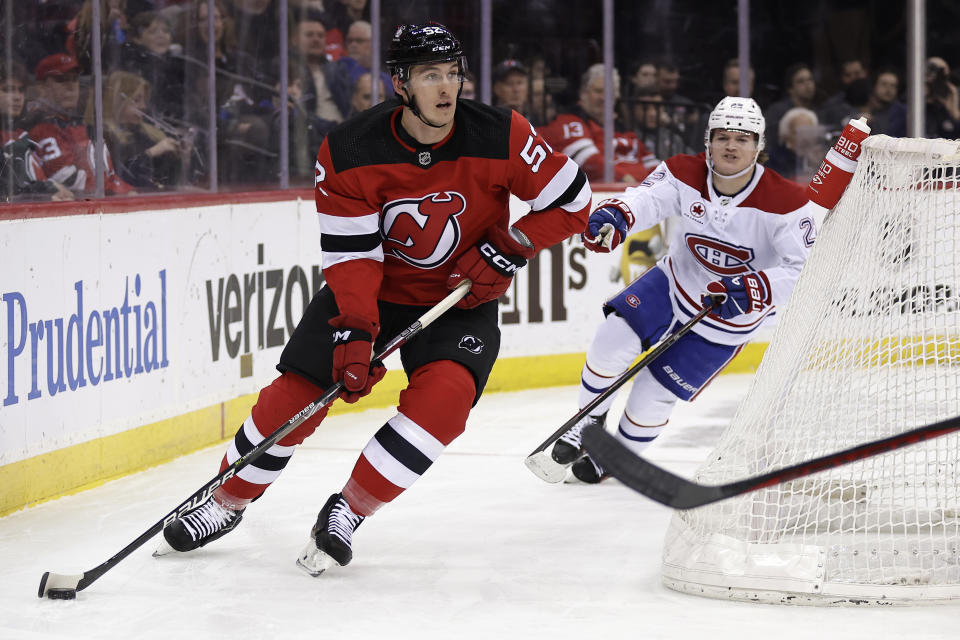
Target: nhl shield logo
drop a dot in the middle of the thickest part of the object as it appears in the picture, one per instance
(424, 158)
(472, 344)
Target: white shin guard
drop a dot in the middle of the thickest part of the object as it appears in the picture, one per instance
(614, 348)
(648, 409)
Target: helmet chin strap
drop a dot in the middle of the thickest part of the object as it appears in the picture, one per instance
(734, 175)
(411, 103)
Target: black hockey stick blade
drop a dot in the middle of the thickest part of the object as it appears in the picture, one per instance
(541, 463)
(65, 586)
(673, 491)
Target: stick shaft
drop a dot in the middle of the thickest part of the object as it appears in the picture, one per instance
(664, 344)
(674, 491)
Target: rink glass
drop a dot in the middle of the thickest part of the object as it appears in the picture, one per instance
(229, 128)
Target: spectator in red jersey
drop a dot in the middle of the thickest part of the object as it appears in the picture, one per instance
(20, 172)
(66, 150)
(579, 134)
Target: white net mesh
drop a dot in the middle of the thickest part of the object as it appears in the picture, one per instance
(869, 347)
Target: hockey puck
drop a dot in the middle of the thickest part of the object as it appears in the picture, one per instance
(62, 594)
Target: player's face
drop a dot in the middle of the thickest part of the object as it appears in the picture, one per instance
(435, 87)
(11, 98)
(732, 151)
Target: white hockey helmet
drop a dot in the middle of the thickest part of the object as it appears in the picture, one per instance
(736, 114)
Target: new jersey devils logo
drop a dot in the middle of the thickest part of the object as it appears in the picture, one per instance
(720, 257)
(473, 344)
(423, 231)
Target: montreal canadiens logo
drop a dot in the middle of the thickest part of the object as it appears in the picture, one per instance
(632, 300)
(423, 231)
(719, 257)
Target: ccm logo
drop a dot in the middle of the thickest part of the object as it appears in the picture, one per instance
(497, 259)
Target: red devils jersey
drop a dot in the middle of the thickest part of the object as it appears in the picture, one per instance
(33, 168)
(581, 137)
(395, 215)
(67, 156)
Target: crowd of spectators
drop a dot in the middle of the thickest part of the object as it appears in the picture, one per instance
(156, 110)
(802, 123)
(155, 99)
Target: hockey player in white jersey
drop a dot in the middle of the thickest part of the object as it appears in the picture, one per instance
(737, 229)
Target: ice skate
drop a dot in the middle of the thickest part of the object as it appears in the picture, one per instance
(567, 448)
(198, 526)
(586, 470)
(330, 538)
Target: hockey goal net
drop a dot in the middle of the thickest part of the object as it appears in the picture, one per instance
(869, 347)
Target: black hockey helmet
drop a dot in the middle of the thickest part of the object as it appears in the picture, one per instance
(421, 43)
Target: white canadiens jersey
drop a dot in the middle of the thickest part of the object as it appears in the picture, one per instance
(768, 226)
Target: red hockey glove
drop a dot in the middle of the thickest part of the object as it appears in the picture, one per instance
(353, 338)
(741, 294)
(606, 228)
(490, 265)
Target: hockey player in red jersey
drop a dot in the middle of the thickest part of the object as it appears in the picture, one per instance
(407, 194)
(66, 152)
(737, 230)
(579, 134)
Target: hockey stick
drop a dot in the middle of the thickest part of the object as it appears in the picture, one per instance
(679, 493)
(542, 464)
(64, 587)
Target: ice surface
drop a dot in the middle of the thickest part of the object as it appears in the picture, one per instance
(479, 548)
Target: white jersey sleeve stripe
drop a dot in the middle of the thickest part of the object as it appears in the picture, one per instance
(342, 226)
(557, 186)
(583, 198)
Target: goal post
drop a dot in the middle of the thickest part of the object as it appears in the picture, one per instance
(868, 347)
